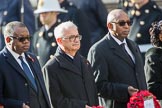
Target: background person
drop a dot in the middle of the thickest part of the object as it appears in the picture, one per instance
(143, 13)
(153, 64)
(96, 14)
(43, 43)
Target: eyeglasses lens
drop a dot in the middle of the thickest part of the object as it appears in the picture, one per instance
(22, 39)
(122, 23)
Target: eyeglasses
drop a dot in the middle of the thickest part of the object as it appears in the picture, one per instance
(73, 37)
(21, 39)
(122, 23)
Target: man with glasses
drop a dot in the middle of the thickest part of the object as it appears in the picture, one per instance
(22, 84)
(117, 63)
(68, 74)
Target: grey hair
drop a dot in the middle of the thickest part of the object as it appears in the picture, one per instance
(9, 28)
(61, 29)
(114, 15)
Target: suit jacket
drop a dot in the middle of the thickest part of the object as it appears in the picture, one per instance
(69, 87)
(14, 85)
(114, 72)
(153, 70)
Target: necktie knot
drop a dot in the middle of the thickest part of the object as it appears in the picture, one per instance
(122, 45)
(21, 58)
(125, 51)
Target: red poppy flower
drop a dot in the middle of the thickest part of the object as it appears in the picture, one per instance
(137, 100)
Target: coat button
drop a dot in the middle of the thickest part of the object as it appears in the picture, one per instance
(38, 57)
(138, 35)
(142, 22)
(5, 13)
(51, 56)
(136, 74)
(50, 34)
(37, 45)
(147, 11)
(53, 44)
(26, 84)
(59, 20)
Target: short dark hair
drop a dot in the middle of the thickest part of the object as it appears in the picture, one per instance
(9, 29)
(155, 30)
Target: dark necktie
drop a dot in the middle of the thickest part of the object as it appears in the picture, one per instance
(28, 72)
(123, 48)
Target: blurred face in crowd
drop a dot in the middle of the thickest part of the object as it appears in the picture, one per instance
(120, 25)
(47, 18)
(70, 41)
(20, 41)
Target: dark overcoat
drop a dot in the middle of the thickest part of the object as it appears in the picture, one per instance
(114, 72)
(14, 85)
(153, 71)
(69, 87)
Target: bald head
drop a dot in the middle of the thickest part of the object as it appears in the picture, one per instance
(114, 15)
(118, 24)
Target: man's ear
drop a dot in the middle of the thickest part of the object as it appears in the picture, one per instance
(58, 40)
(160, 37)
(110, 26)
(8, 39)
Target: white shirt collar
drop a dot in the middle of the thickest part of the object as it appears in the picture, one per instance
(118, 41)
(14, 54)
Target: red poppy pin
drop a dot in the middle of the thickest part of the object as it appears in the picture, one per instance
(30, 58)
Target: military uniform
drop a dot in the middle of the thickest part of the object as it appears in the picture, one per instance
(142, 19)
(44, 44)
(10, 10)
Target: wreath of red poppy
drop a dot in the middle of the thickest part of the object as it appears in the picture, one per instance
(137, 100)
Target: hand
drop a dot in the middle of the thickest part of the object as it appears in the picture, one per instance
(1, 107)
(25, 106)
(132, 90)
(87, 106)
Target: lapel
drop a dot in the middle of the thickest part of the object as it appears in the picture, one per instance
(30, 61)
(36, 69)
(87, 78)
(13, 63)
(64, 63)
(133, 49)
(116, 49)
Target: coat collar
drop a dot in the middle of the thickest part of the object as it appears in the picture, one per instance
(116, 49)
(64, 63)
